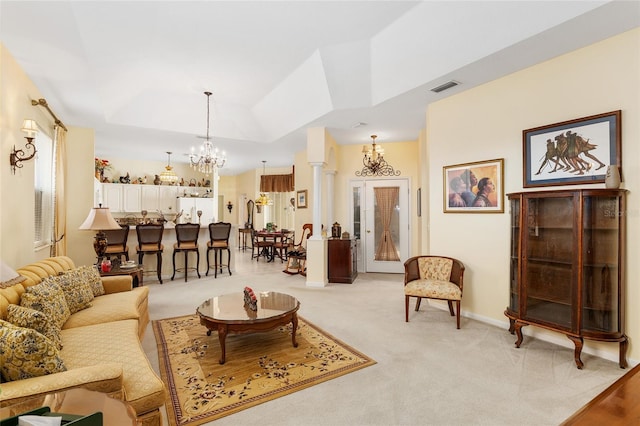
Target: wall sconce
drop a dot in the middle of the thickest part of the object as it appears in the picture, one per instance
(16, 157)
(229, 206)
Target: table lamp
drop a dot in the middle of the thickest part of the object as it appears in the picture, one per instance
(100, 219)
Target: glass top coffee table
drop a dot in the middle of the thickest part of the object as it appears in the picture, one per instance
(229, 314)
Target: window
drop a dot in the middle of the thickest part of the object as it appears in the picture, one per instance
(44, 189)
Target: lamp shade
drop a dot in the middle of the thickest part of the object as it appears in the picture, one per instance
(29, 127)
(99, 219)
(8, 276)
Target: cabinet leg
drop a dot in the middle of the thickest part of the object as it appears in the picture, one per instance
(578, 342)
(518, 329)
(623, 352)
(512, 325)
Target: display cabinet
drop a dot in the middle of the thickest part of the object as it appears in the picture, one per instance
(567, 265)
(342, 260)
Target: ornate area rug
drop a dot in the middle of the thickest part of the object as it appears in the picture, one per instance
(259, 366)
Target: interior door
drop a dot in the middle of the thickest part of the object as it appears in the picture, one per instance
(386, 225)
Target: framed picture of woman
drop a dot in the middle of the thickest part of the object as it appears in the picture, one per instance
(474, 187)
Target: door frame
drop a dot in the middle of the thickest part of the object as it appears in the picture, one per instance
(361, 249)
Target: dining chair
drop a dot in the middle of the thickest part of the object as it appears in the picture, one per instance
(260, 247)
(218, 242)
(282, 244)
(186, 242)
(117, 242)
(150, 242)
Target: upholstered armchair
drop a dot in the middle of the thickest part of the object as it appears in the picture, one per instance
(433, 277)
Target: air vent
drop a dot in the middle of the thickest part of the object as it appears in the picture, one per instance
(445, 86)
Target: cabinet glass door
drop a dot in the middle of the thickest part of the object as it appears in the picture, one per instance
(601, 234)
(549, 260)
(514, 304)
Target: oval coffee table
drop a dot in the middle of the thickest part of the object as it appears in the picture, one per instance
(229, 314)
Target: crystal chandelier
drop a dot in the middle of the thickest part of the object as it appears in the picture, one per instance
(374, 162)
(209, 157)
(169, 176)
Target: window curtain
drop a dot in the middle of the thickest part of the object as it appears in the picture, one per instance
(387, 199)
(59, 246)
(277, 183)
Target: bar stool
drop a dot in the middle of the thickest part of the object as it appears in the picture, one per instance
(117, 242)
(150, 242)
(187, 241)
(219, 241)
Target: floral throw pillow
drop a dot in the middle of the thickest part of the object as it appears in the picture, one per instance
(77, 291)
(92, 278)
(30, 318)
(25, 353)
(48, 298)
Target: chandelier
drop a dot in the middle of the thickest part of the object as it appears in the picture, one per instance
(169, 176)
(374, 162)
(263, 200)
(209, 158)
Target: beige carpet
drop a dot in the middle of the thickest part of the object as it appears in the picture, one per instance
(259, 367)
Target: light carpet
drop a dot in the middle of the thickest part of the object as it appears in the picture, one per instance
(259, 367)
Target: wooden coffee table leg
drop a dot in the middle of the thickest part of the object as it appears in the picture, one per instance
(222, 336)
(294, 323)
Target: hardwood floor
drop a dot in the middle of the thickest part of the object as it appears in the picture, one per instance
(619, 404)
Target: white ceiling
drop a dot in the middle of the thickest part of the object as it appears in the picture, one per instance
(136, 71)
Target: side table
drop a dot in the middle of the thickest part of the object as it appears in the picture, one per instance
(79, 401)
(136, 273)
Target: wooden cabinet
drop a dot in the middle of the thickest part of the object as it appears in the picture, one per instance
(112, 197)
(342, 260)
(567, 265)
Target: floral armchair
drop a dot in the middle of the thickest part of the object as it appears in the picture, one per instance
(433, 277)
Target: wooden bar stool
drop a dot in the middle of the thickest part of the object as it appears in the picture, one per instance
(150, 242)
(187, 241)
(218, 241)
(117, 242)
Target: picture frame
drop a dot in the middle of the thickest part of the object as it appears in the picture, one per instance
(301, 197)
(572, 152)
(476, 187)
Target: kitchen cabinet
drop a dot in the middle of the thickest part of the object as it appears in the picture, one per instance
(567, 265)
(159, 197)
(112, 197)
(342, 260)
(131, 198)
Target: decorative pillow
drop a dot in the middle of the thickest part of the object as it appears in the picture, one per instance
(77, 292)
(48, 298)
(25, 353)
(30, 318)
(92, 278)
(435, 268)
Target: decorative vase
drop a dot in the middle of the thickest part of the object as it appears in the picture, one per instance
(157, 180)
(612, 178)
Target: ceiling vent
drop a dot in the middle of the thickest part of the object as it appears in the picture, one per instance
(445, 86)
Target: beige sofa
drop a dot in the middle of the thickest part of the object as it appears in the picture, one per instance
(101, 347)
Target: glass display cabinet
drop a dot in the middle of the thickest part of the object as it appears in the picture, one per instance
(567, 265)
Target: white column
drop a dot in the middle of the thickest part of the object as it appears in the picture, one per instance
(330, 179)
(214, 190)
(316, 245)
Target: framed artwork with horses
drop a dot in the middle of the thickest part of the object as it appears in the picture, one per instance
(572, 152)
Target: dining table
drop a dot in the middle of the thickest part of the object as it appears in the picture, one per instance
(273, 237)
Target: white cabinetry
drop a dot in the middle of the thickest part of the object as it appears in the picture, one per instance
(112, 196)
(167, 198)
(131, 195)
(149, 198)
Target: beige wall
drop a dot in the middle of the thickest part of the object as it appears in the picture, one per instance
(596, 79)
(16, 191)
